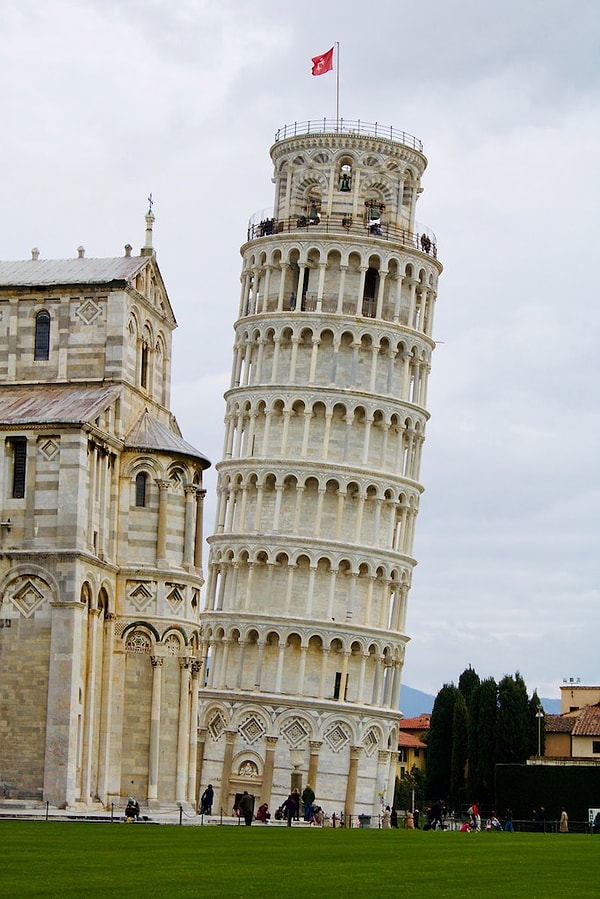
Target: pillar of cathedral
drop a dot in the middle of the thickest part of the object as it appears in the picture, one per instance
(311, 556)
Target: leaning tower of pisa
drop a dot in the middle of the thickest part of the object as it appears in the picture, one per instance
(318, 488)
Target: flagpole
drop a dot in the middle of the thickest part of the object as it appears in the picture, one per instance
(337, 86)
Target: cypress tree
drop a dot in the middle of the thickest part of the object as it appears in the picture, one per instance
(460, 750)
(439, 743)
(467, 683)
(513, 731)
(486, 739)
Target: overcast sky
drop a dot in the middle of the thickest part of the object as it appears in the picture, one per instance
(104, 101)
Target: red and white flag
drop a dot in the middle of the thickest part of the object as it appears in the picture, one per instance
(322, 63)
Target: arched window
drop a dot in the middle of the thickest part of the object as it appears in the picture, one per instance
(140, 488)
(144, 366)
(42, 336)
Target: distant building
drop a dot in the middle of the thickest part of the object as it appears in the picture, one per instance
(575, 733)
(100, 538)
(412, 751)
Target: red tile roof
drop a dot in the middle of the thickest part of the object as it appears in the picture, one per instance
(409, 741)
(559, 724)
(588, 723)
(421, 722)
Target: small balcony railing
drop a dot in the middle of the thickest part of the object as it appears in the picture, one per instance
(349, 126)
(422, 238)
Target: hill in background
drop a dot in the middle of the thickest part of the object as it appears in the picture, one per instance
(415, 702)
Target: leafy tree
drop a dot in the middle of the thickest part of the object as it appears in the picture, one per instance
(513, 731)
(439, 743)
(460, 749)
(408, 786)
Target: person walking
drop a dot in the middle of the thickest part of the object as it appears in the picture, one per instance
(563, 826)
(246, 807)
(289, 808)
(206, 800)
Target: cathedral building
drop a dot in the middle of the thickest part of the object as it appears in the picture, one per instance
(318, 487)
(100, 538)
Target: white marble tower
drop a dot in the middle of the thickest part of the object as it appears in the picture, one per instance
(318, 488)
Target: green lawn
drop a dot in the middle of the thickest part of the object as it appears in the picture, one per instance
(59, 859)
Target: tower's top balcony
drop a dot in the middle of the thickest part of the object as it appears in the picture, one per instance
(349, 127)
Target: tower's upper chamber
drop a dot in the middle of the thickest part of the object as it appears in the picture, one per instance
(318, 487)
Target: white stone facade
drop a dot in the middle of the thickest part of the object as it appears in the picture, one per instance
(100, 538)
(318, 488)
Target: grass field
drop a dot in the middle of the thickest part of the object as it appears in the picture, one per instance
(83, 859)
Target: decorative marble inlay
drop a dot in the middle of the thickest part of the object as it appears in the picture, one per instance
(138, 642)
(49, 449)
(252, 729)
(172, 645)
(216, 726)
(294, 732)
(88, 311)
(28, 596)
(140, 596)
(175, 596)
(371, 741)
(337, 737)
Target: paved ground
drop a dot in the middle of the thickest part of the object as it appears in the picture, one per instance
(169, 815)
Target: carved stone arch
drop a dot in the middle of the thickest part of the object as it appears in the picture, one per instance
(366, 342)
(325, 562)
(140, 637)
(105, 599)
(147, 334)
(160, 345)
(347, 567)
(297, 407)
(314, 641)
(242, 555)
(372, 492)
(302, 560)
(269, 481)
(134, 465)
(260, 557)
(385, 345)
(311, 485)
(86, 595)
(250, 633)
(293, 638)
(347, 340)
(293, 255)
(179, 632)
